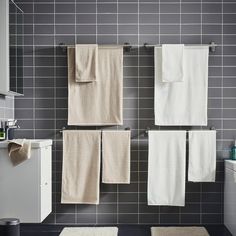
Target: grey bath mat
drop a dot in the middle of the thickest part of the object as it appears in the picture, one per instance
(90, 231)
(179, 231)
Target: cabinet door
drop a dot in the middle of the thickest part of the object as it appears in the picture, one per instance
(46, 181)
(19, 188)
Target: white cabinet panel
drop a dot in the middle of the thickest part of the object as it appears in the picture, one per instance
(25, 190)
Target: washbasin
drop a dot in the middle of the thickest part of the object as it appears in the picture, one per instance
(35, 143)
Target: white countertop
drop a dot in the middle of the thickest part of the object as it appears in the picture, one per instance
(35, 143)
(230, 164)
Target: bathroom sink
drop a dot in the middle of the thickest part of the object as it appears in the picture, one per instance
(35, 143)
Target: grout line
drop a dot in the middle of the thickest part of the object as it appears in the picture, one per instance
(138, 111)
(54, 100)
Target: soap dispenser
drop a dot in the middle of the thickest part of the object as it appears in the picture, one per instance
(233, 151)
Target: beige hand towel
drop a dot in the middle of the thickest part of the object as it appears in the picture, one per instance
(101, 102)
(90, 231)
(179, 231)
(19, 150)
(86, 56)
(81, 166)
(116, 157)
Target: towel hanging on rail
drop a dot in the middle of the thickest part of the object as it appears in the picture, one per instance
(183, 103)
(81, 166)
(166, 167)
(86, 59)
(172, 68)
(116, 156)
(202, 156)
(98, 103)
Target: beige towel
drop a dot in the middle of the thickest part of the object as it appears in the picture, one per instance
(101, 102)
(179, 231)
(90, 231)
(116, 157)
(81, 166)
(19, 150)
(86, 62)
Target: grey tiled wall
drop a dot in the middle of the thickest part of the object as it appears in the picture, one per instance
(6, 107)
(43, 110)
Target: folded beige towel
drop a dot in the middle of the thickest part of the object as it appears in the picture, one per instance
(81, 166)
(116, 157)
(179, 231)
(101, 102)
(90, 231)
(19, 150)
(86, 56)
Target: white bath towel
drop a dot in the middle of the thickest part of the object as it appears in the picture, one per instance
(202, 156)
(179, 231)
(116, 156)
(86, 59)
(172, 63)
(166, 168)
(81, 166)
(89, 231)
(183, 103)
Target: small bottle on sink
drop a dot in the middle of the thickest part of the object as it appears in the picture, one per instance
(2, 132)
(233, 151)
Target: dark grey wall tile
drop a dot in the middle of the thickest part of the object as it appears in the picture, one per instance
(43, 110)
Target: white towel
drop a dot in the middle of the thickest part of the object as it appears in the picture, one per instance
(172, 62)
(202, 156)
(183, 103)
(166, 168)
(90, 231)
(86, 56)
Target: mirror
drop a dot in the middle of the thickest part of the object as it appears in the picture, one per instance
(16, 33)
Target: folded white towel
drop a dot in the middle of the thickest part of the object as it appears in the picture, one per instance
(202, 156)
(86, 56)
(183, 103)
(90, 231)
(172, 63)
(166, 168)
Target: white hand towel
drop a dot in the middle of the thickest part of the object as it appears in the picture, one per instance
(202, 156)
(172, 63)
(86, 59)
(166, 168)
(183, 103)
